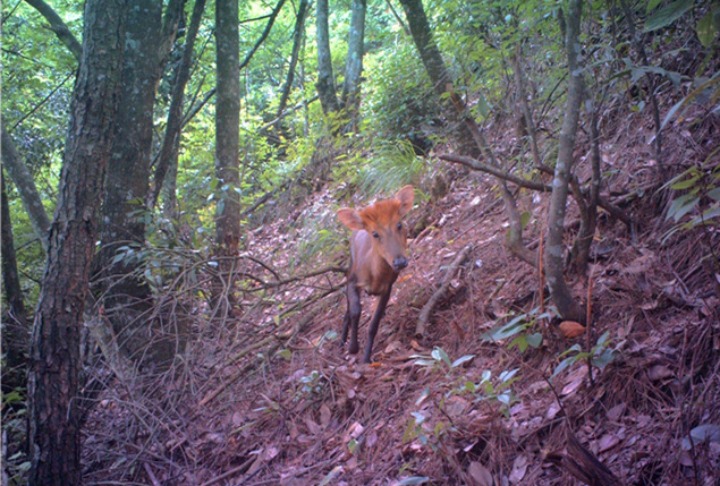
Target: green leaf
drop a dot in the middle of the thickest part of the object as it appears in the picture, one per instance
(651, 5)
(681, 206)
(714, 194)
(508, 374)
(524, 219)
(413, 480)
(686, 183)
(461, 360)
(439, 354)
(520, 342)
(564, 364)
(535, 339)
(667, 15)
(513, 327)
(706, 29)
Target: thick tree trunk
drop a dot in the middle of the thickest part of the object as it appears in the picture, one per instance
(326, 81)
(25, 185)
(354, 61)
(555, 249)
(54, 380)
(227, 122)
(126, 295)
(15, 335)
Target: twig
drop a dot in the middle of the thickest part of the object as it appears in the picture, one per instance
(440, 292)
(150, 474)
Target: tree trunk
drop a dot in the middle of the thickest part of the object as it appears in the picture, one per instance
(54, 381)
(127, 295)
(326, 81)
(465, 133)
(227, 123)
(15, 334)
(354, 61)
(168, 157)
(25, 185)
(554, 249)
(297, 43)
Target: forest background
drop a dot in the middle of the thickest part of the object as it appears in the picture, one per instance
(173, 268)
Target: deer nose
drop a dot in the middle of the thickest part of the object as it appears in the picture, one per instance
(399, 263)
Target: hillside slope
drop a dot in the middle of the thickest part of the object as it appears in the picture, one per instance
(268, 396)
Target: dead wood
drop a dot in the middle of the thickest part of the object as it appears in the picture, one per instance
(584, 466)
(424, 318)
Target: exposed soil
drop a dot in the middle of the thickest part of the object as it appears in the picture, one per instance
(267, 398)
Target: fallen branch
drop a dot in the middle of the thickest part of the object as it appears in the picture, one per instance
(440, 292)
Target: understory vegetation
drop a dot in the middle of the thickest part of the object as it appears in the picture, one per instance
(559, 319)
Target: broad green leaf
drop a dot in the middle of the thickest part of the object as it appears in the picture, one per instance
(706, 29)
(682, 205)
(535, 339)
(667, 15)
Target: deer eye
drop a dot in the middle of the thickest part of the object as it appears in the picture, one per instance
(399, 226)
(375, 234)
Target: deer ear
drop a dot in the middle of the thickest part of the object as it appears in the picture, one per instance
(351, 219)
(406, 195)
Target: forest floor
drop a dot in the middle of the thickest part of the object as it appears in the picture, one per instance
(269, 397)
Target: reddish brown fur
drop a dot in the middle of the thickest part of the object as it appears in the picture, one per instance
(377, 250)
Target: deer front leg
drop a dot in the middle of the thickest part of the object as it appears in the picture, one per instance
(375, 323)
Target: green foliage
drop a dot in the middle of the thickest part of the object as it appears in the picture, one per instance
(519, 328)
(600, 355)
(392, 165)
(701, 187)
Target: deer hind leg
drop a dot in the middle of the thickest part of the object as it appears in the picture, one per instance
(352, 317)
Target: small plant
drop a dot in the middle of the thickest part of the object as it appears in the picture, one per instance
(494, 390)
(520, 327)
(600, 355)
(702, 185)
(438, 357)
(311, 384)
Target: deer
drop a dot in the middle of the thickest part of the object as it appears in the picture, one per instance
(378, 246)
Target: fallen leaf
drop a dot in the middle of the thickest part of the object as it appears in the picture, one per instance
(480, 474)
(312, 426)
(659, 372)
(616, 412)
(519, 469)
(325, 415)
(571, 329)
(608, 441)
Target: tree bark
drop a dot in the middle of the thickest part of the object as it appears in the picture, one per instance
(127, 295)
(554, 249)
(297, 43)
(15, 334)
(168, 156)
(25, 185)
(326, 81)
(227, 123)
(354, 61)
(54, 380)
(466, 132)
